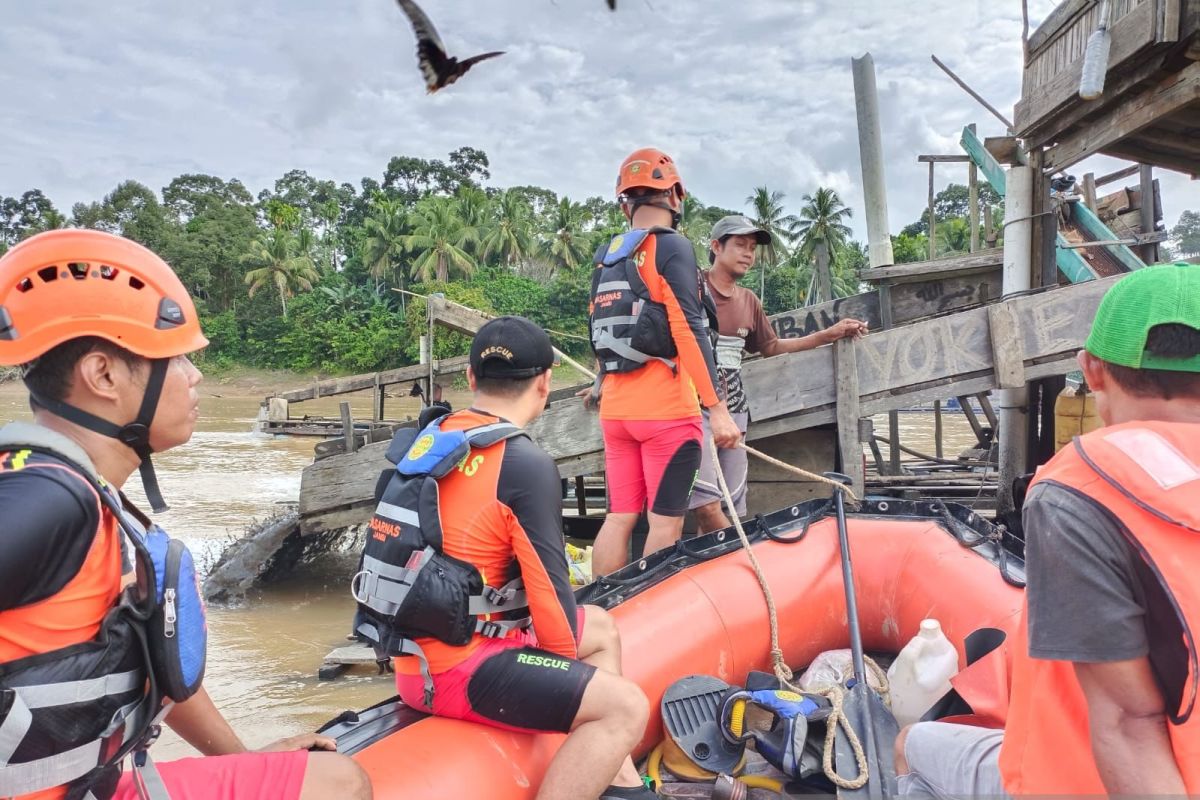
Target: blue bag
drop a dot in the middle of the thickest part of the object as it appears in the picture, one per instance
(178, 628)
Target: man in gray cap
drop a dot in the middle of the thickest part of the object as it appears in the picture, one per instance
(743, 326)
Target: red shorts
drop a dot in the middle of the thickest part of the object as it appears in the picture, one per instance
(243, 776)
(651, 459)
(507, 683)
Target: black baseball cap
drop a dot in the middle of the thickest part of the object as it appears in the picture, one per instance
(512, 348)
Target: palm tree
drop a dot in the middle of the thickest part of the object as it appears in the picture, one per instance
(767, 209)
(474, 208)
(383, 247)
(822, 232)
(278, 262)
(566, 243)
(953, 236)
(509, 235)
(822, 219)
(439, 237)
(693, 225)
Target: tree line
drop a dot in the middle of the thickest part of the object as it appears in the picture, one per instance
(312, 274)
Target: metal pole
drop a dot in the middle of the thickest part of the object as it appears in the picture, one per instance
(1017, 277)
(870, 149)
(979, 98)
(852, 622)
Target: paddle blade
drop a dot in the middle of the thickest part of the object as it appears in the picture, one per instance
(877, 729)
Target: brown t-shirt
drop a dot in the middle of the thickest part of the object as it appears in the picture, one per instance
(740, 314)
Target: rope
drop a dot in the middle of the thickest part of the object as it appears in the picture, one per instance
(803, 473)
(782, 671)
(837, 719)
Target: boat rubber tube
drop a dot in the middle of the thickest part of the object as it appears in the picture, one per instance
(709, 618)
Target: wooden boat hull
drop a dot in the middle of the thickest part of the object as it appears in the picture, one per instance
(703, 612)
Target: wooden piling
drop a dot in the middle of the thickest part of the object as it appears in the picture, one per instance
(348, 428)
(848, 412)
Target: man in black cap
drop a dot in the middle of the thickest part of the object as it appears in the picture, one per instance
(743, 326)
(501, 513)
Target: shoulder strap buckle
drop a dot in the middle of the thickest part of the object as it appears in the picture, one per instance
(492, 630)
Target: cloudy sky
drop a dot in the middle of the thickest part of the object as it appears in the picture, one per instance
(741, 92)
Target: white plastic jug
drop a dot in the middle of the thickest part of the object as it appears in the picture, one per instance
(920, 675)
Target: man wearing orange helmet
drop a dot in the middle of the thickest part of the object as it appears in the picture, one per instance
(650, 322)
(102, 630)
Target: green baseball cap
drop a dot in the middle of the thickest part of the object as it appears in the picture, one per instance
(1161, 295)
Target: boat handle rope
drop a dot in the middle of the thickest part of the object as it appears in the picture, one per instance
(783, 673)
(957, 528)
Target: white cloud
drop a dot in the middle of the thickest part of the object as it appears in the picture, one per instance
(743, 94)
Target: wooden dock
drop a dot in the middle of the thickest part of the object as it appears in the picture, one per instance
(965, 353)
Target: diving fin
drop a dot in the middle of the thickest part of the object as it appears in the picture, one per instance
(691, 709)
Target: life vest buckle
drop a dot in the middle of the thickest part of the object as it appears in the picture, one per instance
(492, 630)
(497, 597)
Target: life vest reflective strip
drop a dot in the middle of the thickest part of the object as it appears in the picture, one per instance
(31, 697)
(382, 586)
(1147, 476)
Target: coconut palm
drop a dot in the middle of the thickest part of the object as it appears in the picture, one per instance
(509, 234)
(439, 238)
(822, 219)
(474, 208)
(767, 213)
(277, 261)
(821, 232)
(566, 242)
(694, 226)
(953, 236)
(383, 247)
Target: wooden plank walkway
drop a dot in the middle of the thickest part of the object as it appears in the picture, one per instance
(936, 359)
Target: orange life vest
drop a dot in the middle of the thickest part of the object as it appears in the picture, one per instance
(1147, 474)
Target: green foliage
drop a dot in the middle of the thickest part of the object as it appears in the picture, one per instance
(279, 259)
(908, 248)
(954, 202)
(302, 275)
(25, 216)
(1187, 233)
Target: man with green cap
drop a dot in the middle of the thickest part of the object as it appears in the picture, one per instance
(1105, 671)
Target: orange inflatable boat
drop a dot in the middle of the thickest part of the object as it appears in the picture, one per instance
(699, 609)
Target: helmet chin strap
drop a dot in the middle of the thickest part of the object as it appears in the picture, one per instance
(654, 201)
(135, 435)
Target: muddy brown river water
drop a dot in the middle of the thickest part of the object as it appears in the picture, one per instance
(264, 652)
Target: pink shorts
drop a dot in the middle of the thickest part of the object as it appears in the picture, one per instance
(243, 776)
(655, 460)
(507, 683)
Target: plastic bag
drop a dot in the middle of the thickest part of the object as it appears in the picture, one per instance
(835, 668)
(579, 560)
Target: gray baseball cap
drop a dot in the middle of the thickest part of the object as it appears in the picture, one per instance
(738, 225)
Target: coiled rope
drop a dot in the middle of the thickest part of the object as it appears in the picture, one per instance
(783, 673)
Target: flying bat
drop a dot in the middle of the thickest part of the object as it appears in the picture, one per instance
(438, 69)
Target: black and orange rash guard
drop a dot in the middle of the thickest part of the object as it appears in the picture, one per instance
(655, 391)
(60, 572)
(501, 511)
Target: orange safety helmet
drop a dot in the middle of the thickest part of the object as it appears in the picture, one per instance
(65, 284)
(68, 284)
(650, 168)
